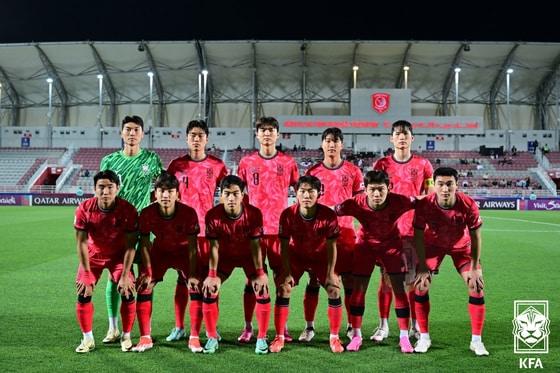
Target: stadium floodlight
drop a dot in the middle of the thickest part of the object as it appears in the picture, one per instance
(199, 96)
(100, 108)
(50, 80)
(150, 74)
(405, 70)
(509, 71)
(355, 69)
(204, 81)
(457, 71)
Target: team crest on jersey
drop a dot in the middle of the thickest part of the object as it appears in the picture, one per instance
(279, 170)
(145, 169)
(380, 102)
(209, 174)
(345, 180)
(413, 173)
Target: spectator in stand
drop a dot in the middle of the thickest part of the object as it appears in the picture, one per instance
(513, 151)
(535, 146)
(502, 183)
(469, 173)
(545, 149)
(485, 176)
(533, 195)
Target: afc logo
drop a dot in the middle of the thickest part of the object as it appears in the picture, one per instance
(380, 102)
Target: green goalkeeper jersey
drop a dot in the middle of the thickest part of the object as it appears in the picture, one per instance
(136, 174)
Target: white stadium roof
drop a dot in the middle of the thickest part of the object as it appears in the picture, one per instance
(285, 77)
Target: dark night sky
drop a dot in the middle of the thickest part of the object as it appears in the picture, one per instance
(24, 21)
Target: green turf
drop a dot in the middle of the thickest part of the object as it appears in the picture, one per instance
(521, 258)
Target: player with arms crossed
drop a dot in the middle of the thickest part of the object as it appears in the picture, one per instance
(411, 176)
(308, 233)
(268, 174)
(106, 232)
(175, 226)
(378, 242)
(448, 222)
(234, 230)
(137, 169)
(199, 175)
(340, 180)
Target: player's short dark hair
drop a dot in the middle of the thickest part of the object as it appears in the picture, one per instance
(230, 180)
(132, 119)
(446, 171)
(403, 125)
(335, 132)
(197, 123)
(311, 180)
(271, 121)
(107, 174)
(376, 177)
(166, 181)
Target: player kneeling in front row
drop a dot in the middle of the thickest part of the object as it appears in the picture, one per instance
(106, 232)
(234, 230)
(175, 227)
(378, 212)
(308, 233)
(447, 222)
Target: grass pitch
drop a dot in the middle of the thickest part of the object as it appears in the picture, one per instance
(521, 259)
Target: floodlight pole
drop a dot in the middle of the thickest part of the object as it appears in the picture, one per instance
(49, 114)
(150, 111)
(508, 108)
(100, 110)
(405, 69)
(457, 71)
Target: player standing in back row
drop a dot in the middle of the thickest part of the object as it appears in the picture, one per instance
(411, 176)
(340, 180)
(268, 174)
(137, 169)
(199, 175)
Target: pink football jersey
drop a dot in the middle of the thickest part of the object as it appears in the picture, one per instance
(234, 235)
(107, 230)
(268, 181)
(171, 234)
(308, 237)
(378, 226)
(337, 185)
(406, 178)
(447, 228)
(198, 181)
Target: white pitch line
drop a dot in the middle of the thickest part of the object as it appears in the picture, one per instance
(517, 230)
(522, 220)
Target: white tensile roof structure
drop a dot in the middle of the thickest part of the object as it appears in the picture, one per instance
(248, 79)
